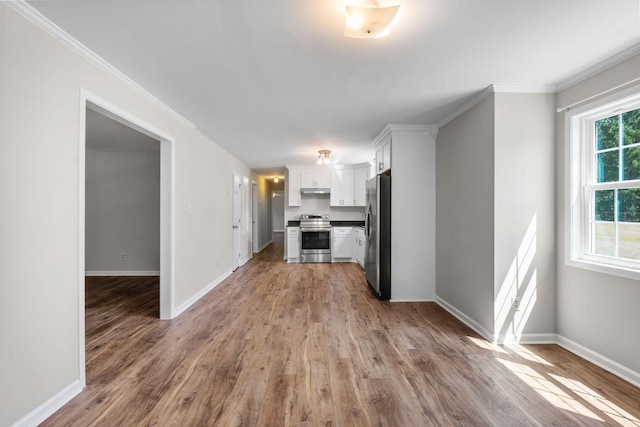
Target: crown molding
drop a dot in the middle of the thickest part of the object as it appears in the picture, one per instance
(492, 89)
(472, 102)
(515, 88)
(601, 66)
(407, 129)
(42, 22)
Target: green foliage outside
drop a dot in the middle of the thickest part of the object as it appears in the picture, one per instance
(620, 161)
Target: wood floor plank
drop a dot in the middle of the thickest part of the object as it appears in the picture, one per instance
(280, 344)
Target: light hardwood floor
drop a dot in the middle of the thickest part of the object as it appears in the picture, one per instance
(281, 344)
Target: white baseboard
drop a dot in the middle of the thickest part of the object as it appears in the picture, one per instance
(245, 260)
(410, 300)
(500, 339)
(121, 273)
(604, 362)
(486, 334)
(598, 359)
(47, 409)
(261, 248)
(188, 303)
(525, 339)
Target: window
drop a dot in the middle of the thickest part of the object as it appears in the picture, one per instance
(604, 186)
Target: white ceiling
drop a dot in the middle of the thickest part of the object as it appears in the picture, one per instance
(274, 81)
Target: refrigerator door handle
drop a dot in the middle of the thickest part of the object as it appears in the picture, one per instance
(367, 222)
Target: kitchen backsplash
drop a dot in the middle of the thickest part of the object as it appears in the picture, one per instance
(314, 203)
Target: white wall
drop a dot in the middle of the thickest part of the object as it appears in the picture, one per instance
(122, 211)
(465, 213)
(598, 312)
(40, 278)
(413, 213)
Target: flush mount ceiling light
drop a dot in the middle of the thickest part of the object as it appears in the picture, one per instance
(368, 19)
(276, 179)
(324, 157)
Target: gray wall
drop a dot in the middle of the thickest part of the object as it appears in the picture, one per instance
(41, 274)
(465, 213)
(495, 217)
(596, 311)
(524, 228)
(122, 212)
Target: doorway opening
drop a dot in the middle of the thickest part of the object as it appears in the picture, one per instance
(94, 107)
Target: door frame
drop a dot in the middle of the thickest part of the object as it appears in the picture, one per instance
(236, 214)
(167, 208)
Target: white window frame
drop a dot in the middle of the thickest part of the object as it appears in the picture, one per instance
(579, 169)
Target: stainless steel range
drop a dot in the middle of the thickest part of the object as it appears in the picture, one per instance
(315, 238)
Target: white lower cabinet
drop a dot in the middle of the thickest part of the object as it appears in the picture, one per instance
(341, 243)
(358, 246)
(293, 244)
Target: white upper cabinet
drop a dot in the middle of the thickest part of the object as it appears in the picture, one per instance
(360, 186)
(315, 178)
(348, 186)
(293, 183)
(383, 154)
(341, 187)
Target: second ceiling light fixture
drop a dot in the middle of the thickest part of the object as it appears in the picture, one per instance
(368, 19)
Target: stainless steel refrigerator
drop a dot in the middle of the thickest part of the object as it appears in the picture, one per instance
(377, 260)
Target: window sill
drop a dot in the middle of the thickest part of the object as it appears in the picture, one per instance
(605, 268)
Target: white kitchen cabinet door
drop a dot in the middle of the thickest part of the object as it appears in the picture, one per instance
(293, 244)
(342, 187)
(336, 187)
(323, 178)
(361, 175)
(342, 243)
(359, 247)
(293, 182)
(315, 178)
(383, 155)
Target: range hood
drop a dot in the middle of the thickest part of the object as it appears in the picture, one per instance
(315, 190)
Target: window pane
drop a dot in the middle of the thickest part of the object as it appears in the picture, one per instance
(628, 204)
(607, 132)
(604, 238)
(631, 161)
(604, 202)
(608, 166)
(631, 127)
(629, 240)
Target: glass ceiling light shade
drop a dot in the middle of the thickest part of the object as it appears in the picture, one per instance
(369, 20)
(324, 156)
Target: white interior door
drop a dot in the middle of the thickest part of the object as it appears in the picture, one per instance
(254, 216)
(245, 224)
(236, 217)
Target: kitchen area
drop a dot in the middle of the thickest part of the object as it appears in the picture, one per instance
(379, 214)
(325, 213)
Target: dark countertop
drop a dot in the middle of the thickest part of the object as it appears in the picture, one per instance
(347, 223)
(333, 223)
